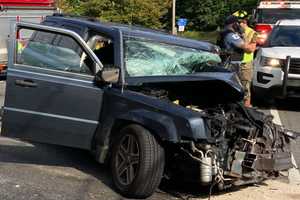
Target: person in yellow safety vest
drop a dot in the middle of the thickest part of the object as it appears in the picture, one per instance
(246, 70)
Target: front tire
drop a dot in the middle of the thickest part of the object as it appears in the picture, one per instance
(137, 162)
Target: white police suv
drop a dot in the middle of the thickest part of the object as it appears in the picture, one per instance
(277, 63)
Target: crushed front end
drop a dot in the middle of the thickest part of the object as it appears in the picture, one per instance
(234, 146)
(244, 147)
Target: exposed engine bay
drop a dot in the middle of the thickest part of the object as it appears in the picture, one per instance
(244, 146)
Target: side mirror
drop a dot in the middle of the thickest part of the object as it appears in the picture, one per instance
(254, 16)
(108, 75)
(254, 12)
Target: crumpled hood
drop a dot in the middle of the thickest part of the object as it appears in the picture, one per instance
(205, 87)
(281, 52)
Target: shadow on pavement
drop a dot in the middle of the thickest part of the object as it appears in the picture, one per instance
(290, 104)
(191, 191)
(14, 151)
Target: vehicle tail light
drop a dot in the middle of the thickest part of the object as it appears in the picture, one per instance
(18, 35)
(263, 28)
(18, 19)
(2, 67)
(263, 31)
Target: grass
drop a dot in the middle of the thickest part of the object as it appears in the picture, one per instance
(199, 35)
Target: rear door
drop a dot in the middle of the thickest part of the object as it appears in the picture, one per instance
(50, 94)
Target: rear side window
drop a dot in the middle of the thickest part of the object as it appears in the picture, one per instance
(64, 41)
(67, 42)
(43, 37)
(39, 36)
(39, 49)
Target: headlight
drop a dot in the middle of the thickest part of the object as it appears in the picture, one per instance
(271, 62)
(274, 62)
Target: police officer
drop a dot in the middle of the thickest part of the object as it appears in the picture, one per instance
(246, 72)
(232, 41)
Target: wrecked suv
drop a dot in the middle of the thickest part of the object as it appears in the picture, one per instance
(150, 104)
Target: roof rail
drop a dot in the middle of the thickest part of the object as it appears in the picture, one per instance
(91, 19)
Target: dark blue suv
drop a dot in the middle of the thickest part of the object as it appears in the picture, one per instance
(151, 104)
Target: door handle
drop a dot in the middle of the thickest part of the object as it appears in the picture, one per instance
(25, 83)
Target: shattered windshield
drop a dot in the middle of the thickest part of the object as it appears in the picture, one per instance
(150, 58)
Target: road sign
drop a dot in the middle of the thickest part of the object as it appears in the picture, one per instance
(182, 22)
(180, 28)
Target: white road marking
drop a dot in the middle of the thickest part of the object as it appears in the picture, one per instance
(294, 175)
(276, 116)
(294, 162)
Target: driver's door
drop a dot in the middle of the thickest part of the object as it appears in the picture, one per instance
(50, 94)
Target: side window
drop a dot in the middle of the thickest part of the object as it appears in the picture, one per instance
(64, 41)
(103, 47)
(38, 49)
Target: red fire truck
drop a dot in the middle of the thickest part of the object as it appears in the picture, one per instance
(20, 10)
(269, 12)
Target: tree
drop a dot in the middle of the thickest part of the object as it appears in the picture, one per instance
(201, 14)
(70, 6)
(209, 14)
(149, 13)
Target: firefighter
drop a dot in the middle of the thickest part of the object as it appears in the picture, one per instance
(232, 41)
(246, 70)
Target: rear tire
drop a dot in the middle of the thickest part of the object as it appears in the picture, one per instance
(137, 162)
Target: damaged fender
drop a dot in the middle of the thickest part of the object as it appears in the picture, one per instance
(161, 125)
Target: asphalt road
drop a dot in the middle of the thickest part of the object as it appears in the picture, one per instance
(33, 171)
(287, 113)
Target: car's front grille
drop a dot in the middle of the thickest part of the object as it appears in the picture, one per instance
(295, 66)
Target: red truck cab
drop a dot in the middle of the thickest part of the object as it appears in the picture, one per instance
(27, 3)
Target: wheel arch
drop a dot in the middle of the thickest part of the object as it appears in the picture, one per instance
(160, 126)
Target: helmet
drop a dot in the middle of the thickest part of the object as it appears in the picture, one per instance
(240, 14)
(231, 20)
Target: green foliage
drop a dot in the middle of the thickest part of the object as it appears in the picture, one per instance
(234, 5)
(201, 14)
(147, 13)
(210, 36)
(209, 14)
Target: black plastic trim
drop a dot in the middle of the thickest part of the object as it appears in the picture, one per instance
(261, 75)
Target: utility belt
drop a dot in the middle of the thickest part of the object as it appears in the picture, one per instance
(231, 56)
(233, 61)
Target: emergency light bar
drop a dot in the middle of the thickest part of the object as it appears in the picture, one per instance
(279, 4)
